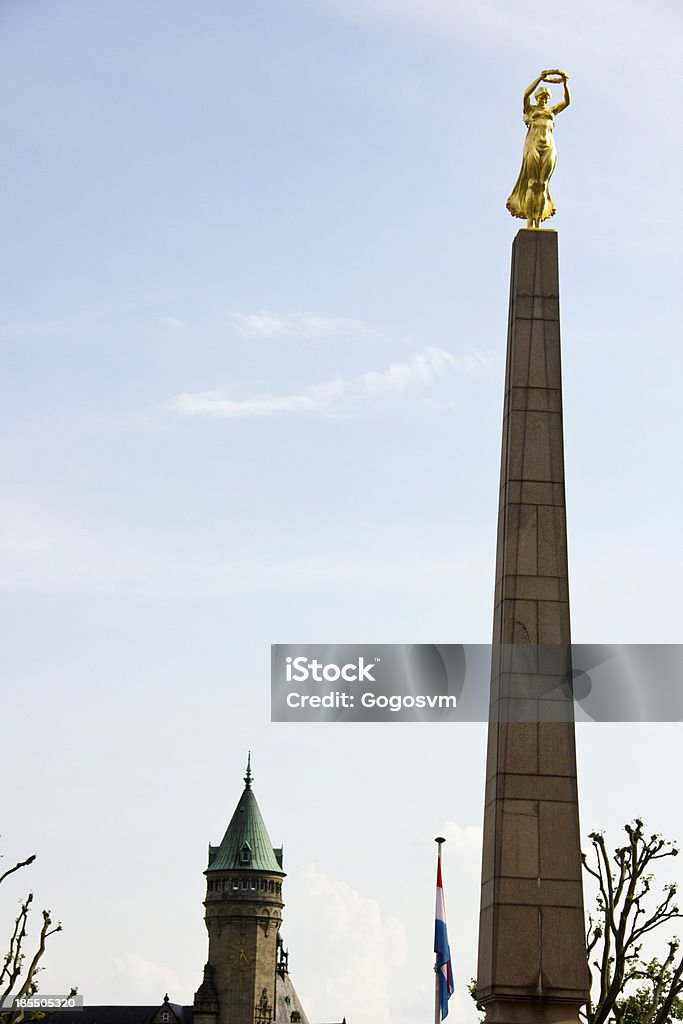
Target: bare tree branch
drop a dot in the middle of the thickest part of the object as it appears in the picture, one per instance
(17, 866)
(17, 978)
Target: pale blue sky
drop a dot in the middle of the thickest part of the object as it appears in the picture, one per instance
(254, 284)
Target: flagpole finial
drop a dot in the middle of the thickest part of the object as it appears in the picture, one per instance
(439, 840)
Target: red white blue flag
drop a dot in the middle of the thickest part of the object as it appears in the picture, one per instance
(441, 947)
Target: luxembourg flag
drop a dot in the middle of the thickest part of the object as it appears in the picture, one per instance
(441, 948)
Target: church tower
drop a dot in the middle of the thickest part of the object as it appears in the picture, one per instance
(243, 915)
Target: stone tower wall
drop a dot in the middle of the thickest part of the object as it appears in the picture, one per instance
(243, 915)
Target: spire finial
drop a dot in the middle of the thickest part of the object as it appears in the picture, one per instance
(248, 776)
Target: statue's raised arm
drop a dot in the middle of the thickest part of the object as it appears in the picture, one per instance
(530, 198)
(566, 99)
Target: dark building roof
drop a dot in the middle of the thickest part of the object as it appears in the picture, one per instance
(119, 1014)
(287, 1004)
(145, 1014)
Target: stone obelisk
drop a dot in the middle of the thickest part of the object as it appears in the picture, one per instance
(532, 958)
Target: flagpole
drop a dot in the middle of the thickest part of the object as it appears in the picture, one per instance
(437, 999)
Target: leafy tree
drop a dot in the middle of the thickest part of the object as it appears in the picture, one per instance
(649, 1000)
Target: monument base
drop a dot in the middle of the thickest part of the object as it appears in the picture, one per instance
(529, 1011)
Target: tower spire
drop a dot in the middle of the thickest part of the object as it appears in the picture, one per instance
(243, 907)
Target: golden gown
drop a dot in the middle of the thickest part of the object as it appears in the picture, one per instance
(538, 162)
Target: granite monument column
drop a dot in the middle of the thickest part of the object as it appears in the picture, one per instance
(532, 958)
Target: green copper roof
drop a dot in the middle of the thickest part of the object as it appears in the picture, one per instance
(246, 844)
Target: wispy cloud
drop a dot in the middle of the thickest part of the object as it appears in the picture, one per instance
(143, 979)
(172, 322)
(311, 326)
(338, 396)
(356, 951)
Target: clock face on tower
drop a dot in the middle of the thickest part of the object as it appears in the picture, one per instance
(238, 956)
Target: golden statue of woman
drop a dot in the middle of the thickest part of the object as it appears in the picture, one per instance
(530, 197)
